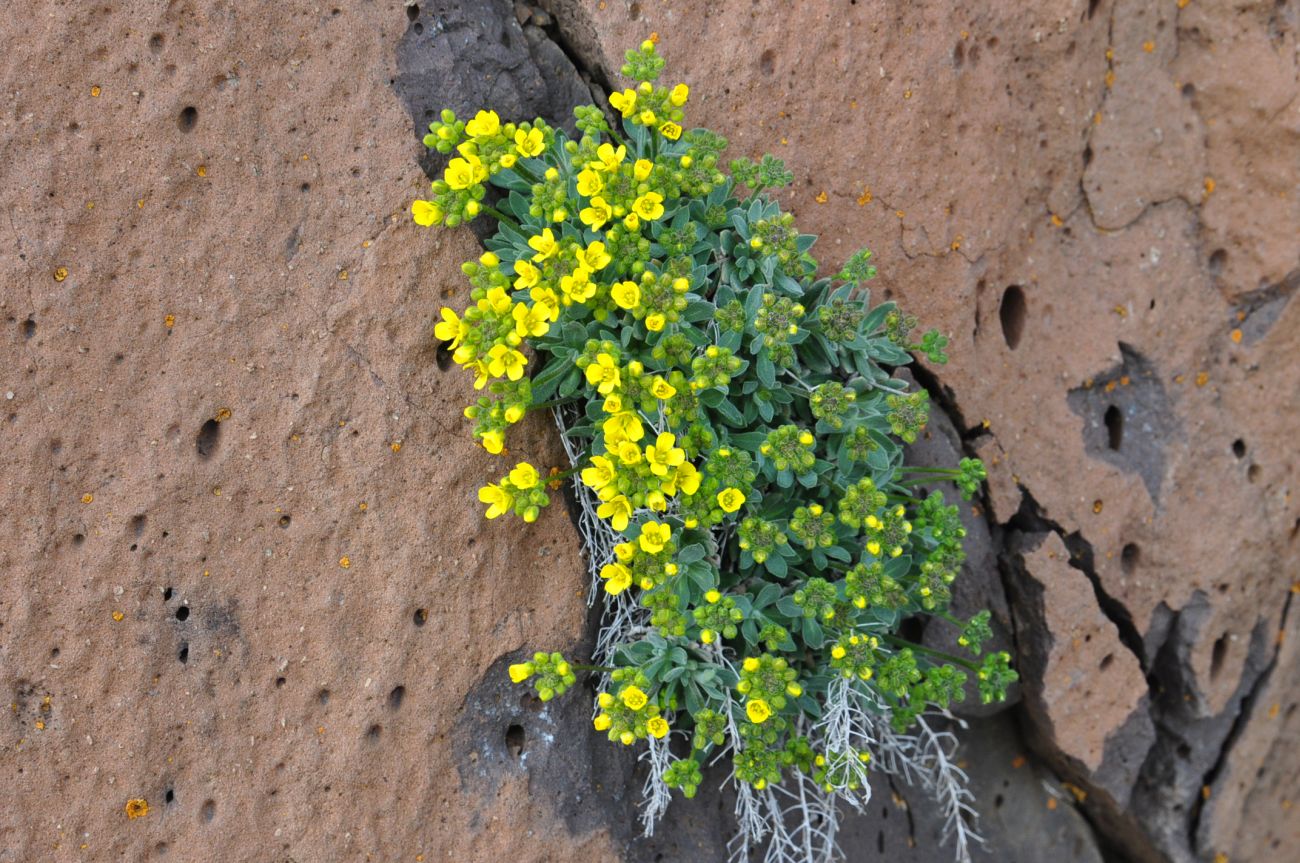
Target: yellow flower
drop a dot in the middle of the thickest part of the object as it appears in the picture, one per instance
(618, 578)
(610, 157)
(758, 711)
(485, 123)
(137, 807)
(530, 321)
(603, 374)
(806, 438)
(521, 671)
(499, 500)
(641, 168)
(463, 173)
(627, 738)
(622, 426)
(618, 510)
(506, 361)
(624, 103)
(597, 214)
(657, 727)
(589, 183)
(655, 322)
(493, 442)
(530, 143)
(497, 300)
(594, 257)
(731, 499)
(649, 206)
(628, 453)
(627, 295)
(544, 244)
(661, 389)
(545, 298)
(687, 479)
(750, 664)
(578, 286)
(671, 131)
(646, 118)
(678, 95)
(663, 455)
(602, 722)
(633, 697)
(508, 160)
(654, 536)
(838, 652)
(526, 275)
(605, 700)
(451, 328)
(426, 213)
(524, 476)
(612, 404)
(712, 597)
(632, 221)
(600, 474)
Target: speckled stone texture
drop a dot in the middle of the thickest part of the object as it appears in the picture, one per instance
(216, 323)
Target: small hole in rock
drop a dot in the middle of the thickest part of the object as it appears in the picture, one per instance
(1183, 750)
(137, 524)
(412, 12)
(183, 613)
(208, 810)
(1114, 427)
(767, 62)
(373, 732)
(396, 697)
(184, 654)
(997, 801)
(279, 681)
(1106, 662)
(443, 356)
(1218, 258)
(29, 328)
(1239, 448)
(1129, 557)
(1218, 654)
(420, 617)
(167, 594)
(78, 538)
(323, 697)
(1252, 473)
(170, 796)
(188, 119)
(1012, 315)
(418, 28)
(156, 42)
(284, 520)
(515, 740)
(208, 437)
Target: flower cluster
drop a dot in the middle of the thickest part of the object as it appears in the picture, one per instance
(736, 426)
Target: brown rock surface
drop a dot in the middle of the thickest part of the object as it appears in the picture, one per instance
(252, 263)
(1091, 247)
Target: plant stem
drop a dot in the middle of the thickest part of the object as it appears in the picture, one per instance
(500, 216)
(903, 642)
(555, 403)
(595, 668)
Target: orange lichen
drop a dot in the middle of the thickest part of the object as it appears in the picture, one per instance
(821, 197)
(95, 91)
(345, 561)
(137, 807)
(169, 321)
(1202, 378)
(1096, 506)
(1148, 46)
(222, 415)
(117, 615)
(865, 197)
(60, 273)
(201, 170)
(395, 446)
(1236, 336)
(87, 498)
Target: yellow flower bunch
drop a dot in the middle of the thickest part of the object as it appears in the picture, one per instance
(520, 491)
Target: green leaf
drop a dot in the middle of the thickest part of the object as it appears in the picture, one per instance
(765, 370)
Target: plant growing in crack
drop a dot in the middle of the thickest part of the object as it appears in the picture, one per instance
(735, 441)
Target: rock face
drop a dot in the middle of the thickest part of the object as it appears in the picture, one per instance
(246, 576)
